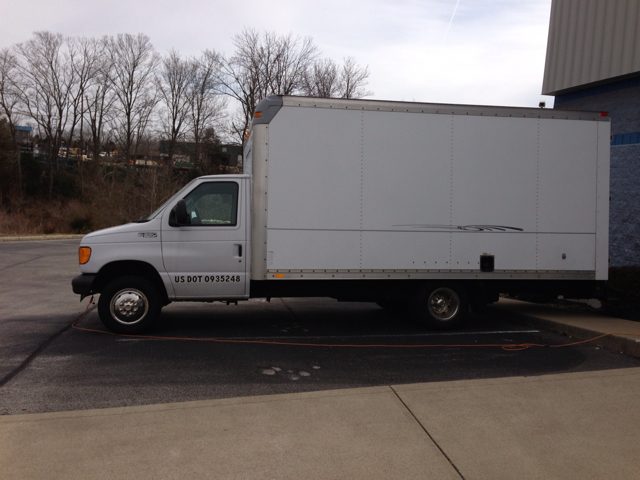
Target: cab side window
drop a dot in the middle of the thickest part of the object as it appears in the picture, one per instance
(213, 203)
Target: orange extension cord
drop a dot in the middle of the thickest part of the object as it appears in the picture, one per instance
(510, 347)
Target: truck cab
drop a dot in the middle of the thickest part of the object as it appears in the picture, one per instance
(194, 247)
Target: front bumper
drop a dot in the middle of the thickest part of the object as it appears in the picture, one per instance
(83, 285)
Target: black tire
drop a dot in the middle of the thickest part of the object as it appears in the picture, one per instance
(129, 305)
(441, 306)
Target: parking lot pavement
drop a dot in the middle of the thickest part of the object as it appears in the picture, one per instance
(36, 301)
(85, 370)
(73, 370)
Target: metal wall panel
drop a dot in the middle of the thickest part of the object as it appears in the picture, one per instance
(405, 159)
(315, 170)
(591, 41)
(407, 250)
(512, 250)
(379, 190)
(494, 172)
(566, 252)
(293, 249)
(256, 155)
(602, 218)
(568, 159)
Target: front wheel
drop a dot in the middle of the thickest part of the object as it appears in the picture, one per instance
(441, 307)
(129, 305)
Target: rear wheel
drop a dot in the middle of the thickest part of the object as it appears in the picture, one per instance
(441, 306)
(129, 305)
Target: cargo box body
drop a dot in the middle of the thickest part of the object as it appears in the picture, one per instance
(358, 189)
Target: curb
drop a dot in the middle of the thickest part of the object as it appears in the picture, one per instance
(626, 344)
(31, 238)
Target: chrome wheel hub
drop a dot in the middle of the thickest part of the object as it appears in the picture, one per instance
(443, 304)
(129, 306)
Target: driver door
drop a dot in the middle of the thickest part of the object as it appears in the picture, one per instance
(207, 258)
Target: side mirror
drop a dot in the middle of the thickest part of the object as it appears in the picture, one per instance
(179, 215)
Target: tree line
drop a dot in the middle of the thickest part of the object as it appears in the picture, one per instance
(117, 93)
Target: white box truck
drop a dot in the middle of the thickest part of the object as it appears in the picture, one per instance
(429, 206)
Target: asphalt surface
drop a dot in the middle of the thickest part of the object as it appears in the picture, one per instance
(46, 366)
(36, 300)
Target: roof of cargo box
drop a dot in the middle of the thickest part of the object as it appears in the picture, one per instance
(268, 107)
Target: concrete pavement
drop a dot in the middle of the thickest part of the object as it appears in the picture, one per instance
(578, 324)
(568, 426)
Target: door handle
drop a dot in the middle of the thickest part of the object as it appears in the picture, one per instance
(239, 250)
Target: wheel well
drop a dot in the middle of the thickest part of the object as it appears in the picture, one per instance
(125, 268)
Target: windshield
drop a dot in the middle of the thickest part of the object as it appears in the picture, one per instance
(173, 197)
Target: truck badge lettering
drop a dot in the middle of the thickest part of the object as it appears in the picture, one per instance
(206, 278)
(148, 234)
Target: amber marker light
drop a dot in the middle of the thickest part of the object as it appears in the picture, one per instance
(279, 275)
(257, 114)
(84, 254)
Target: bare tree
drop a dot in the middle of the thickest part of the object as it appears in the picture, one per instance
(286, 59)
(45, 83)
(327, 79)
(322, 79)
(85, 55)
(174, 82)
(206, 105)
(109, 89)
(353, 79)
(9, 100)
(241, 78)
(264, 64)
(98, 100)
(133, 66)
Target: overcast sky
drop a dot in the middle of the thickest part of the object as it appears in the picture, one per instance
(489, 52)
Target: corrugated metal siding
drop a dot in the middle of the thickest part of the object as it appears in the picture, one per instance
(590, 41)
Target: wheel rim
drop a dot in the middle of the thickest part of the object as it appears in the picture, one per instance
(129, 306)
(443, 304)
